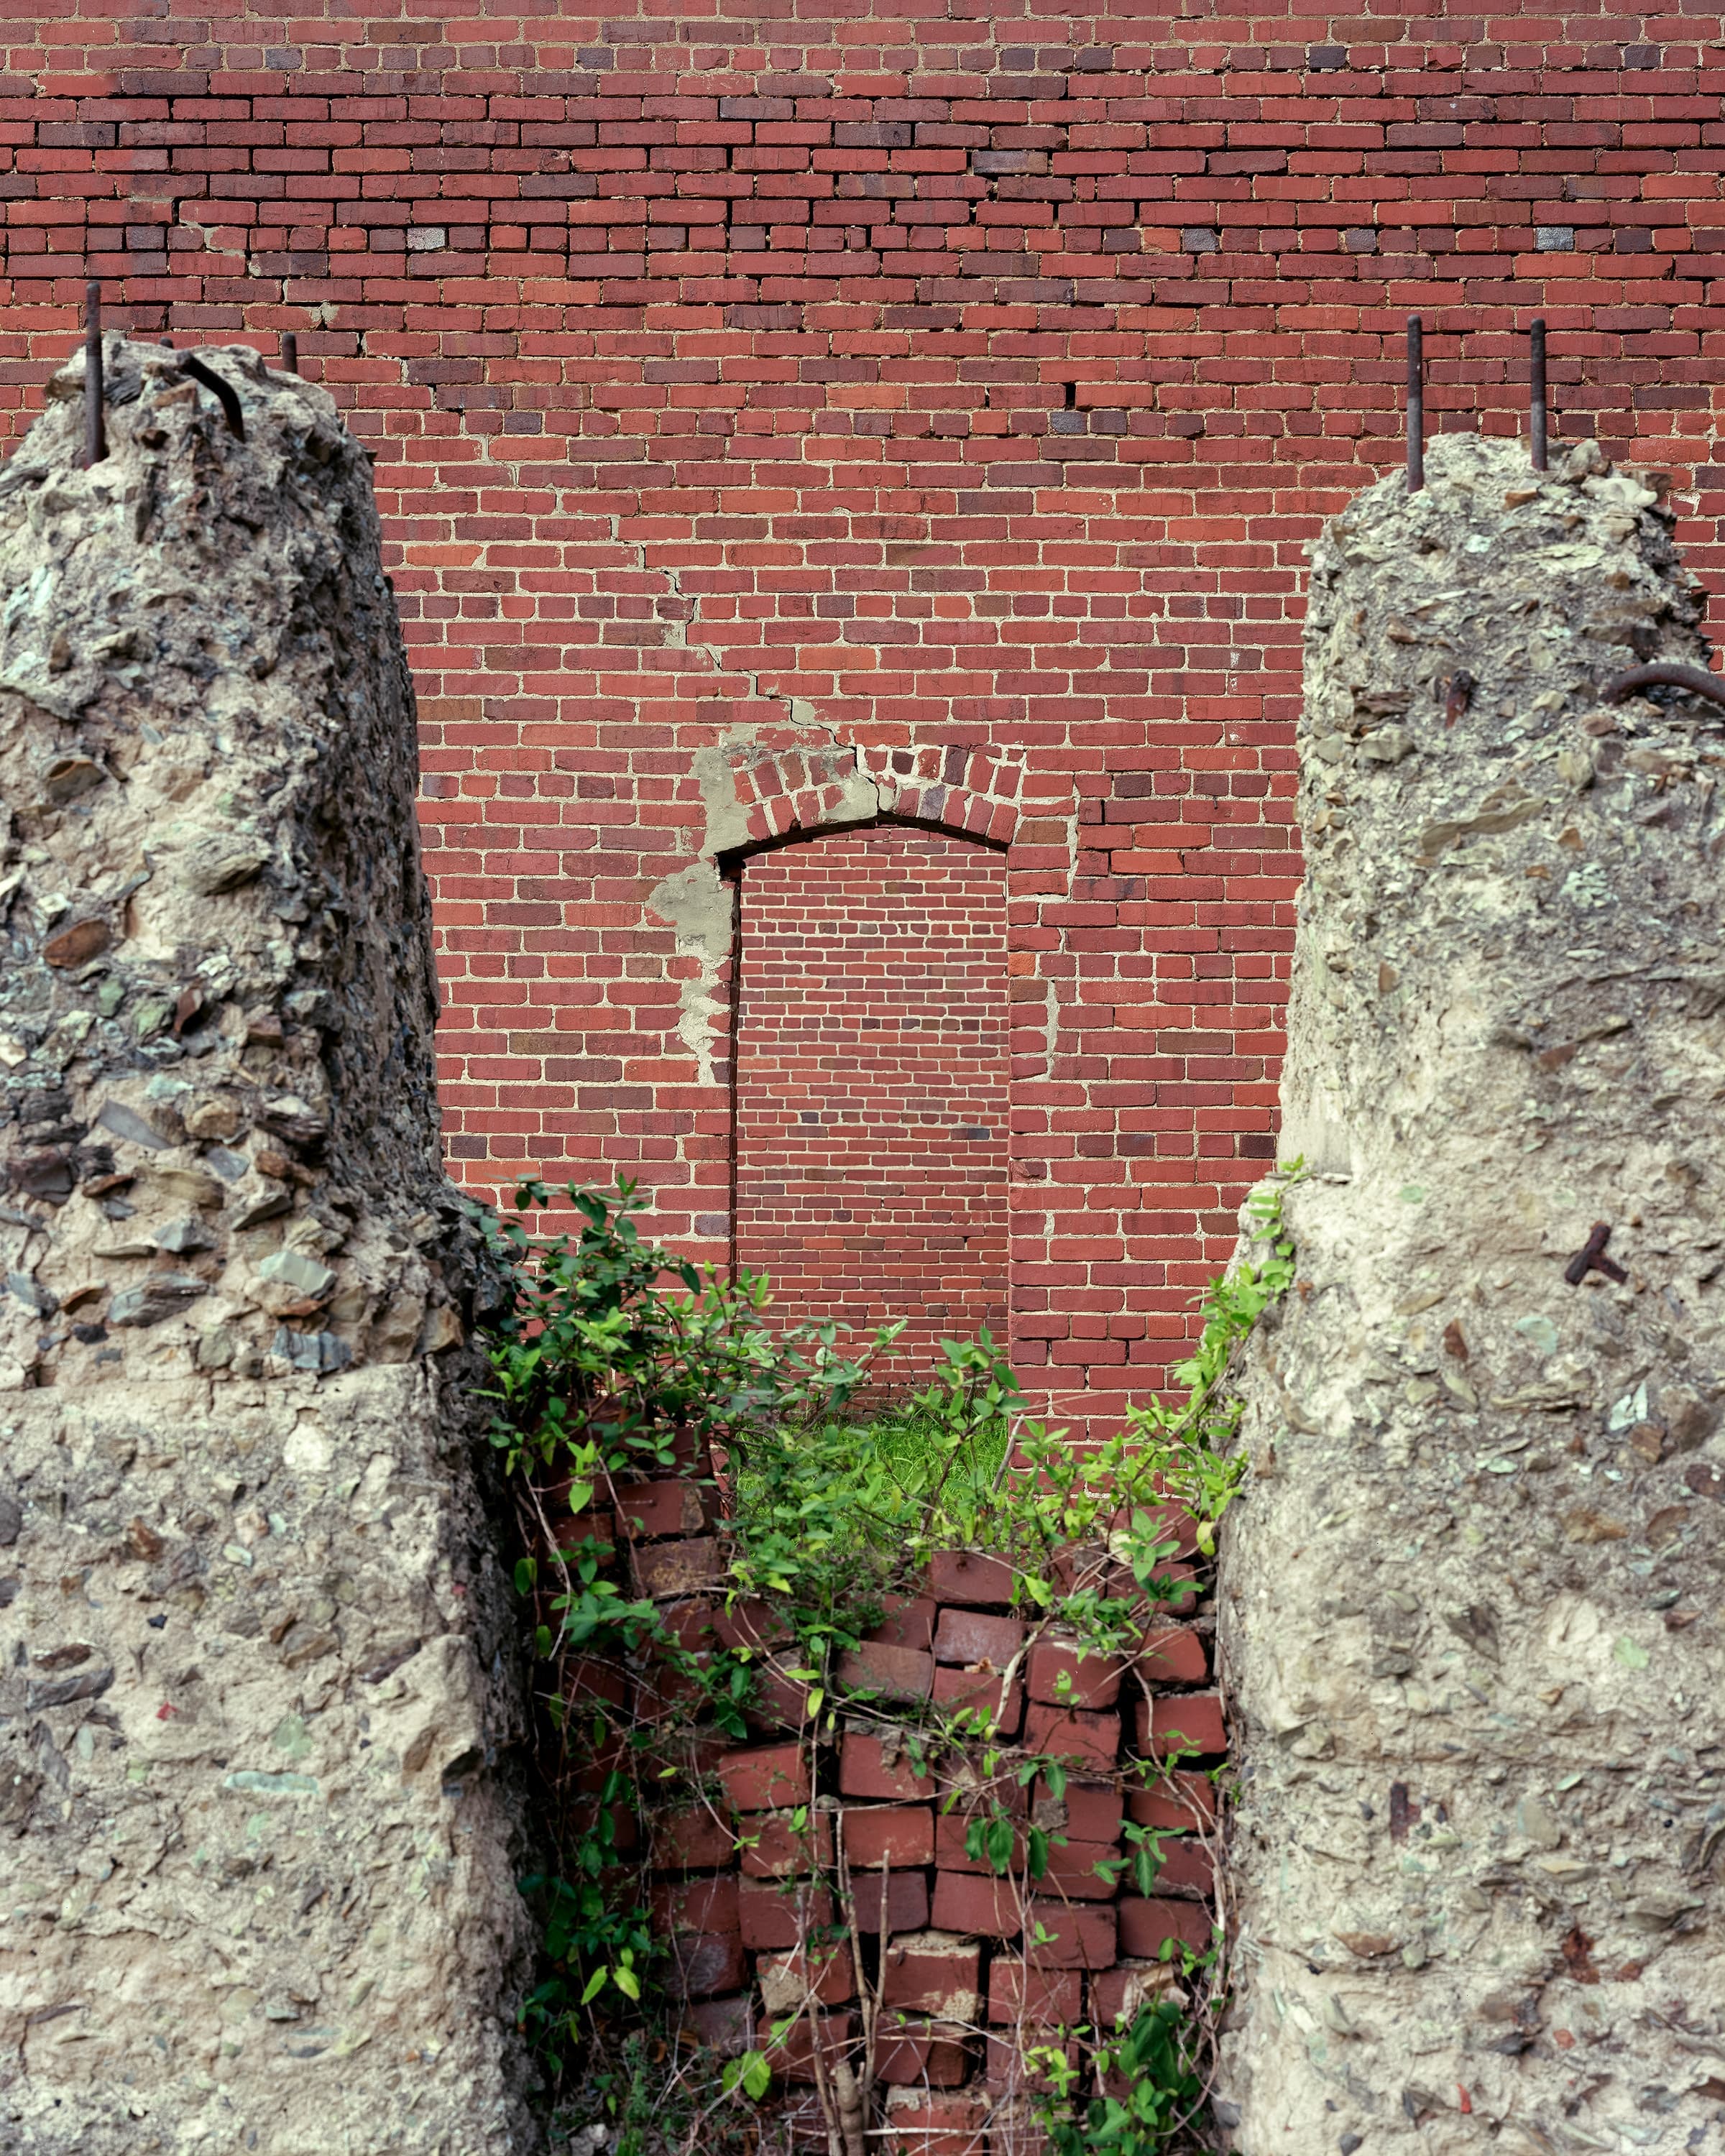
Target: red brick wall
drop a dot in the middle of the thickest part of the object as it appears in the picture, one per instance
(806, 382)
(872, 1107)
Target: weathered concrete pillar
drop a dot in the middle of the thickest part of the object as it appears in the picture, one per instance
(1470, 1605)
(254, 1887)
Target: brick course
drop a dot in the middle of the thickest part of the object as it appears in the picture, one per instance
(949, 398)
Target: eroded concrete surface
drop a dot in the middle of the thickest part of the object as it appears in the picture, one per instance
(1470, 1604)
(255, 1878)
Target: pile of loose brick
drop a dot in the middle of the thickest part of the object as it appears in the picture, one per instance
(969, 1968)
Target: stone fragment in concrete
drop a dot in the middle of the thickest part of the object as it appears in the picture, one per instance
(259, 1892)
(1470, 1605)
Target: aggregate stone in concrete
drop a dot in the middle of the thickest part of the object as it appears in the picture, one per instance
(1470, 1605)
(257, 1880)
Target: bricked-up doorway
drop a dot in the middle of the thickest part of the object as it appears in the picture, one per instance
(872, 1082)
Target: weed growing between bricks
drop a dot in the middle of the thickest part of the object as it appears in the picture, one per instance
(881, 1754)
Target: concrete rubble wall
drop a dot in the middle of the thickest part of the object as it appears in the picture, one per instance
(257, 1892)
(1470, 1608)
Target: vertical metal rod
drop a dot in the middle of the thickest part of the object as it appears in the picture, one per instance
(1536, 394)
(96, 427)
(1416, 404)
(290, 351)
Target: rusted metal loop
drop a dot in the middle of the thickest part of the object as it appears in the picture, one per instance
(1666, 674)
(1416, 404)
(229, 396)
(1537, 394)
(95, 425)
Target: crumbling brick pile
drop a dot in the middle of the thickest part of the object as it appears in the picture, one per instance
(961, 1966)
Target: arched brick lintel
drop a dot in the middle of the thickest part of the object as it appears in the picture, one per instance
(789, 794)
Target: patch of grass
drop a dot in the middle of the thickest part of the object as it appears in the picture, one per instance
(828, 1507)
(901, 1442)
(914, 1446)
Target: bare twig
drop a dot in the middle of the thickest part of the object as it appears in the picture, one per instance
(868, 2004)
(810, 2008)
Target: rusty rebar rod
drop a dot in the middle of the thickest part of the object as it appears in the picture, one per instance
(1666, 674)
(1416, 404)
(1591, 1257)
(225, 391)
(290, 351)
(95, 422)
(1536, 393)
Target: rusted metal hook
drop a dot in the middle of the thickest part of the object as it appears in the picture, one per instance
(1536, 393)
(1416, 404)
(1666, 674)
(229, 396)
(95, 422)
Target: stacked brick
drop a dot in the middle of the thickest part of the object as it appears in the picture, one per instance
(965, 1966)
(872, 1084)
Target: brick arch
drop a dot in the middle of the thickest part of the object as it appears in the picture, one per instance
(804, 791)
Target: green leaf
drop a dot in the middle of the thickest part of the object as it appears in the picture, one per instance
(595, 1985)
(627, 1981)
